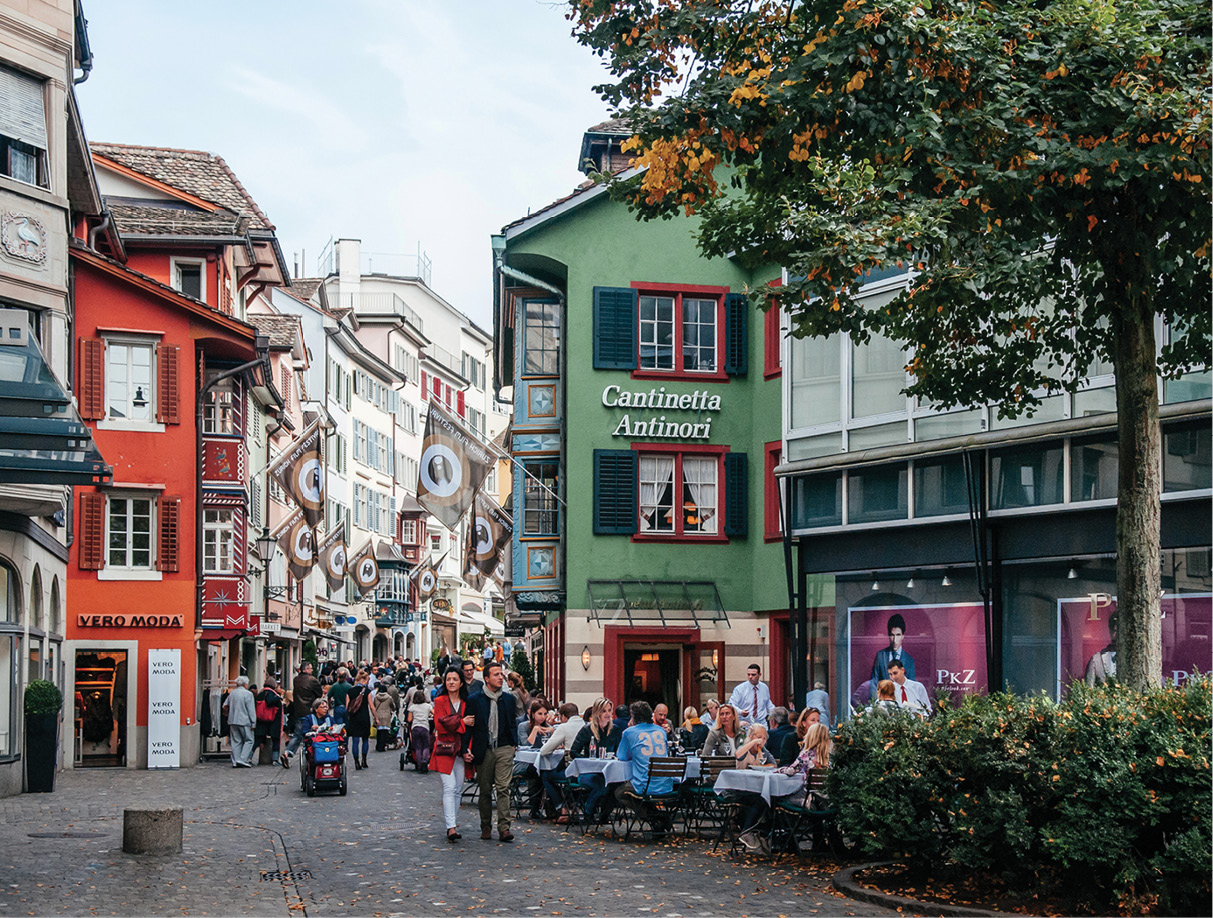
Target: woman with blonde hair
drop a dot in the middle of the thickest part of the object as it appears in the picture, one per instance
(694, 732)
(599, 738)
(727, 735)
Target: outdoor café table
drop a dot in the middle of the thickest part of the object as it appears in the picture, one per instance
(762, 781)
(614, 771)
(541, 762)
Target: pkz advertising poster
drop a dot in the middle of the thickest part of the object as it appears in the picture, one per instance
(1086, 637)
(941, 646)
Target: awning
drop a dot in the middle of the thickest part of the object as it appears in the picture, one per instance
(42, 438)
(480, 620)
(656, 602)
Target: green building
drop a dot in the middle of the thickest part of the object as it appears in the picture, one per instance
(647, 414)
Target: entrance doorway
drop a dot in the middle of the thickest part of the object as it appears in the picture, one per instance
(100, 708)
(653, 673)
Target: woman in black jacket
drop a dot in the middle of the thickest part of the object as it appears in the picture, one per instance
(358, 718)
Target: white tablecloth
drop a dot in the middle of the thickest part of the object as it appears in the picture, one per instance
(761, 781)
(615, 771)
(541, 762)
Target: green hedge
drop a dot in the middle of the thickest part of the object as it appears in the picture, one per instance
(1104, 796)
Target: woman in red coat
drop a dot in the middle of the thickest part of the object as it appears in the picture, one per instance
(451, 756)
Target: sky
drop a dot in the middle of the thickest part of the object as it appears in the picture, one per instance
(397, 122)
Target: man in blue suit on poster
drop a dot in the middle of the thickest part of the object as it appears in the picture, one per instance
(897, 634)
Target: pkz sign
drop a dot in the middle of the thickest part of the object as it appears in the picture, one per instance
(662, 425)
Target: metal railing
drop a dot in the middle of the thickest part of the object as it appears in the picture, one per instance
(382, 304)
(444, 357)
(397, 265)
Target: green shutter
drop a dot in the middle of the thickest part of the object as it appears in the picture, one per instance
(736, 495)
(736, 334)
(614, 328)
(615, 473)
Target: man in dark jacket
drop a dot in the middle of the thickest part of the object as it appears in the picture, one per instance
(780, 730)
(493, 738)
(304, 690)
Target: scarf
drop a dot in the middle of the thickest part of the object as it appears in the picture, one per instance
(493, 696)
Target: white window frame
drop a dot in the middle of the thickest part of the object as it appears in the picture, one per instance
(152, 502)
(175, 265)
(215, 409)
(218, 540)
(131, 342)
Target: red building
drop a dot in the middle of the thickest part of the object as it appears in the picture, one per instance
(165, 368)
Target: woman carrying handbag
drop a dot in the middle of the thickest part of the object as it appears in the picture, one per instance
(451, 756)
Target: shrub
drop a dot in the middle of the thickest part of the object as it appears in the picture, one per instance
(1106, 793)
(42, 697)
(309, 652)
(521, 664)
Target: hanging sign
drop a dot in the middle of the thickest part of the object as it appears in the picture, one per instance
(163, 708)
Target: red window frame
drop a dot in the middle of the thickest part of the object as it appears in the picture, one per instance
(696, 291)
(772, 525)
(679, 450)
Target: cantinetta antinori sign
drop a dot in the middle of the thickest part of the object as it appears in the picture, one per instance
(662, 425)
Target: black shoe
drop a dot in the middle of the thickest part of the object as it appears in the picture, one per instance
(364, 765)
(357, 764)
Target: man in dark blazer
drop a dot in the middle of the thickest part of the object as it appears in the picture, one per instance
(897, 634)
(494, 735)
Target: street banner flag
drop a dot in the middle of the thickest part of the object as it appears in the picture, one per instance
(489, 531)
(333, 558)
(453, 465)
(298, 542)
(301, 473)
(364, 568)
(427, 579)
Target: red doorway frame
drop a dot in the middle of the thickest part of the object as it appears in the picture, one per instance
(614, 637)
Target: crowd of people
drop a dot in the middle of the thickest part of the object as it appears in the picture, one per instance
(468, 719)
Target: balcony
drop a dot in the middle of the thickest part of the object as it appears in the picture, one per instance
(445, 358)
(382, 304)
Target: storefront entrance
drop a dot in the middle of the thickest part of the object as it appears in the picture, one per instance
(100, 708)
(669, 666)
(653, 674)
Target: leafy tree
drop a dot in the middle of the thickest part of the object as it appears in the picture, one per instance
(1041, 167)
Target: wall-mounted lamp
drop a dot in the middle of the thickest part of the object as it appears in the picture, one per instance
(947, 581)
(715, 659)
(585, 658)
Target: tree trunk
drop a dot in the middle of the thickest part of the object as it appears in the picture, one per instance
(1139, 490)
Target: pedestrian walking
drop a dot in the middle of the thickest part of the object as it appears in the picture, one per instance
(269, 718)
(418, 713)
(493, 739)
(384, 712)
(358, 718)
(452, 756)
(304, 691)
(241, 710)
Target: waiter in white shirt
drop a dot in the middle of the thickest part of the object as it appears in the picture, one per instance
(752, 698)
(908, 693)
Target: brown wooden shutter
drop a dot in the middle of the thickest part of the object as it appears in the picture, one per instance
(90, 381)
(168, 534)
(168, 394)
(92, 531)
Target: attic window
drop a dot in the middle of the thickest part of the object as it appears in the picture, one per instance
(187, 278)
(22, 127)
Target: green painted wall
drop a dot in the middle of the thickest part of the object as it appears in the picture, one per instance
(603, 245)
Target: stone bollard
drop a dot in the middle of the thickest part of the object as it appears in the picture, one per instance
(152, 830)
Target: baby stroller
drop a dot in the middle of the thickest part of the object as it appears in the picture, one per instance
(417, 744)
(322, 765)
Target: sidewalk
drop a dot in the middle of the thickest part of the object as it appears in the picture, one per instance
(255, 845)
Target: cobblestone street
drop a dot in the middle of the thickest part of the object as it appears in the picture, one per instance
(256, 845)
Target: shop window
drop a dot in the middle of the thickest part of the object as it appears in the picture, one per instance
(878, 494)
(129, 533)
(540, 509)
(940, 487)
(1026, 477)
(23, 143)
(1186, 457)
(1094, 465)
(541, 338)
(817, 501)
(218, 532)
(10, 693)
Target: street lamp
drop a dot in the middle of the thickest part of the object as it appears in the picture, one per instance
(265, 544)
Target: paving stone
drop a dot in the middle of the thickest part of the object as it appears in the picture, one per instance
(254, 844)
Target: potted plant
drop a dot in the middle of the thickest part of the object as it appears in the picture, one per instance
(43, 702)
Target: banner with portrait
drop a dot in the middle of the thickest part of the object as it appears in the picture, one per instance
(489, 530)
(1086, 637)
(453, 465)
(300, 472)
(333, 558)
(942, 646)
(364, 568)
(298, 542)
